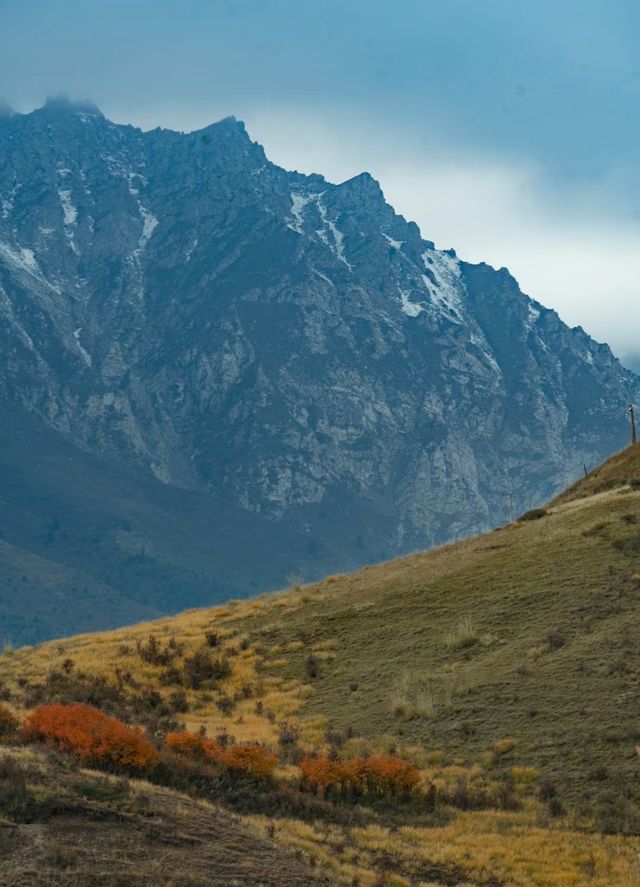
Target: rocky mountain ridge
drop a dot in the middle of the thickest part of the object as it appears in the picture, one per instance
(290, 352)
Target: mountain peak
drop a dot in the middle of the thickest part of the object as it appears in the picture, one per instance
(228, 125)
(365, 184)
(5, 109)
(64, 103)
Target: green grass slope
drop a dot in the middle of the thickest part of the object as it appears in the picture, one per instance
(528, 633)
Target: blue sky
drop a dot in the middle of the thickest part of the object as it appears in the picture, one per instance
(509, 130)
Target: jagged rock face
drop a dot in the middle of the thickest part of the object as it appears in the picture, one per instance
(279, 342)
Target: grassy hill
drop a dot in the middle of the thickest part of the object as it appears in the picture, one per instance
(505, 667)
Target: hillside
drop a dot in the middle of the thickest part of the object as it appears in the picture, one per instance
(503, 666)
(201, 347)
(86, 829)
(620, 471)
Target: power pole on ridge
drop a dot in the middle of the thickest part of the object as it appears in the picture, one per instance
(634, 433)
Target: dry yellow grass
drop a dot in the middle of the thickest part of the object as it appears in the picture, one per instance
(514, 849)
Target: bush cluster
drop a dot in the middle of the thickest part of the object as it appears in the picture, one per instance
(91, 736)
(250, 760)
(381, 775)
(152, 651)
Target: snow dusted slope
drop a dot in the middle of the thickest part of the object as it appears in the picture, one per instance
(291, 347)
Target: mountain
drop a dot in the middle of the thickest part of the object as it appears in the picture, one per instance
(217, 373)
(503, 667)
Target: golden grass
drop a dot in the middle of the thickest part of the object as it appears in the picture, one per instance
(514, 849)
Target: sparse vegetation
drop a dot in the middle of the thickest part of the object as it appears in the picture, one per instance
(465, 634)
(9, 724)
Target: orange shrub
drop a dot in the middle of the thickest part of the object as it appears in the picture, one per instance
(376, 775)
(386, 775)
(194, 746)
(90, 735)
(321, 773)
(249, 759)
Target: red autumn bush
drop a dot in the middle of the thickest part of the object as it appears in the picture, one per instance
(320, 773)
(252, 760)
(193, 746)
(381, 775)
(91, 736)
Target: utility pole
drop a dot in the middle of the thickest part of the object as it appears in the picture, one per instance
(634, 433)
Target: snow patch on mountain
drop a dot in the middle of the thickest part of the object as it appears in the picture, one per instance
(149, 221)
(70, 213)
(8, 203)
(191, 248)
(338, 236)
(396, 244)
(330, 234)
(298, 203)
(411, 309)
(443, 282)
(533, 313)
(24, 260)
(85, 354)
(21, 258)
(149, 225)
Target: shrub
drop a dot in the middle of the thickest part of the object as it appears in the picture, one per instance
(251, 760)
(9, 724)
(382, 775)
(178, 701)
(16, 800)
(555, 638)
(312, 666)
(91, 736)
(533, 514)
(202, 666)
(170, 676)
(501, 748)
(153, 652)
(226, 704)
(319, 773)
(75, 686)
(194, 746)
(464, 635)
